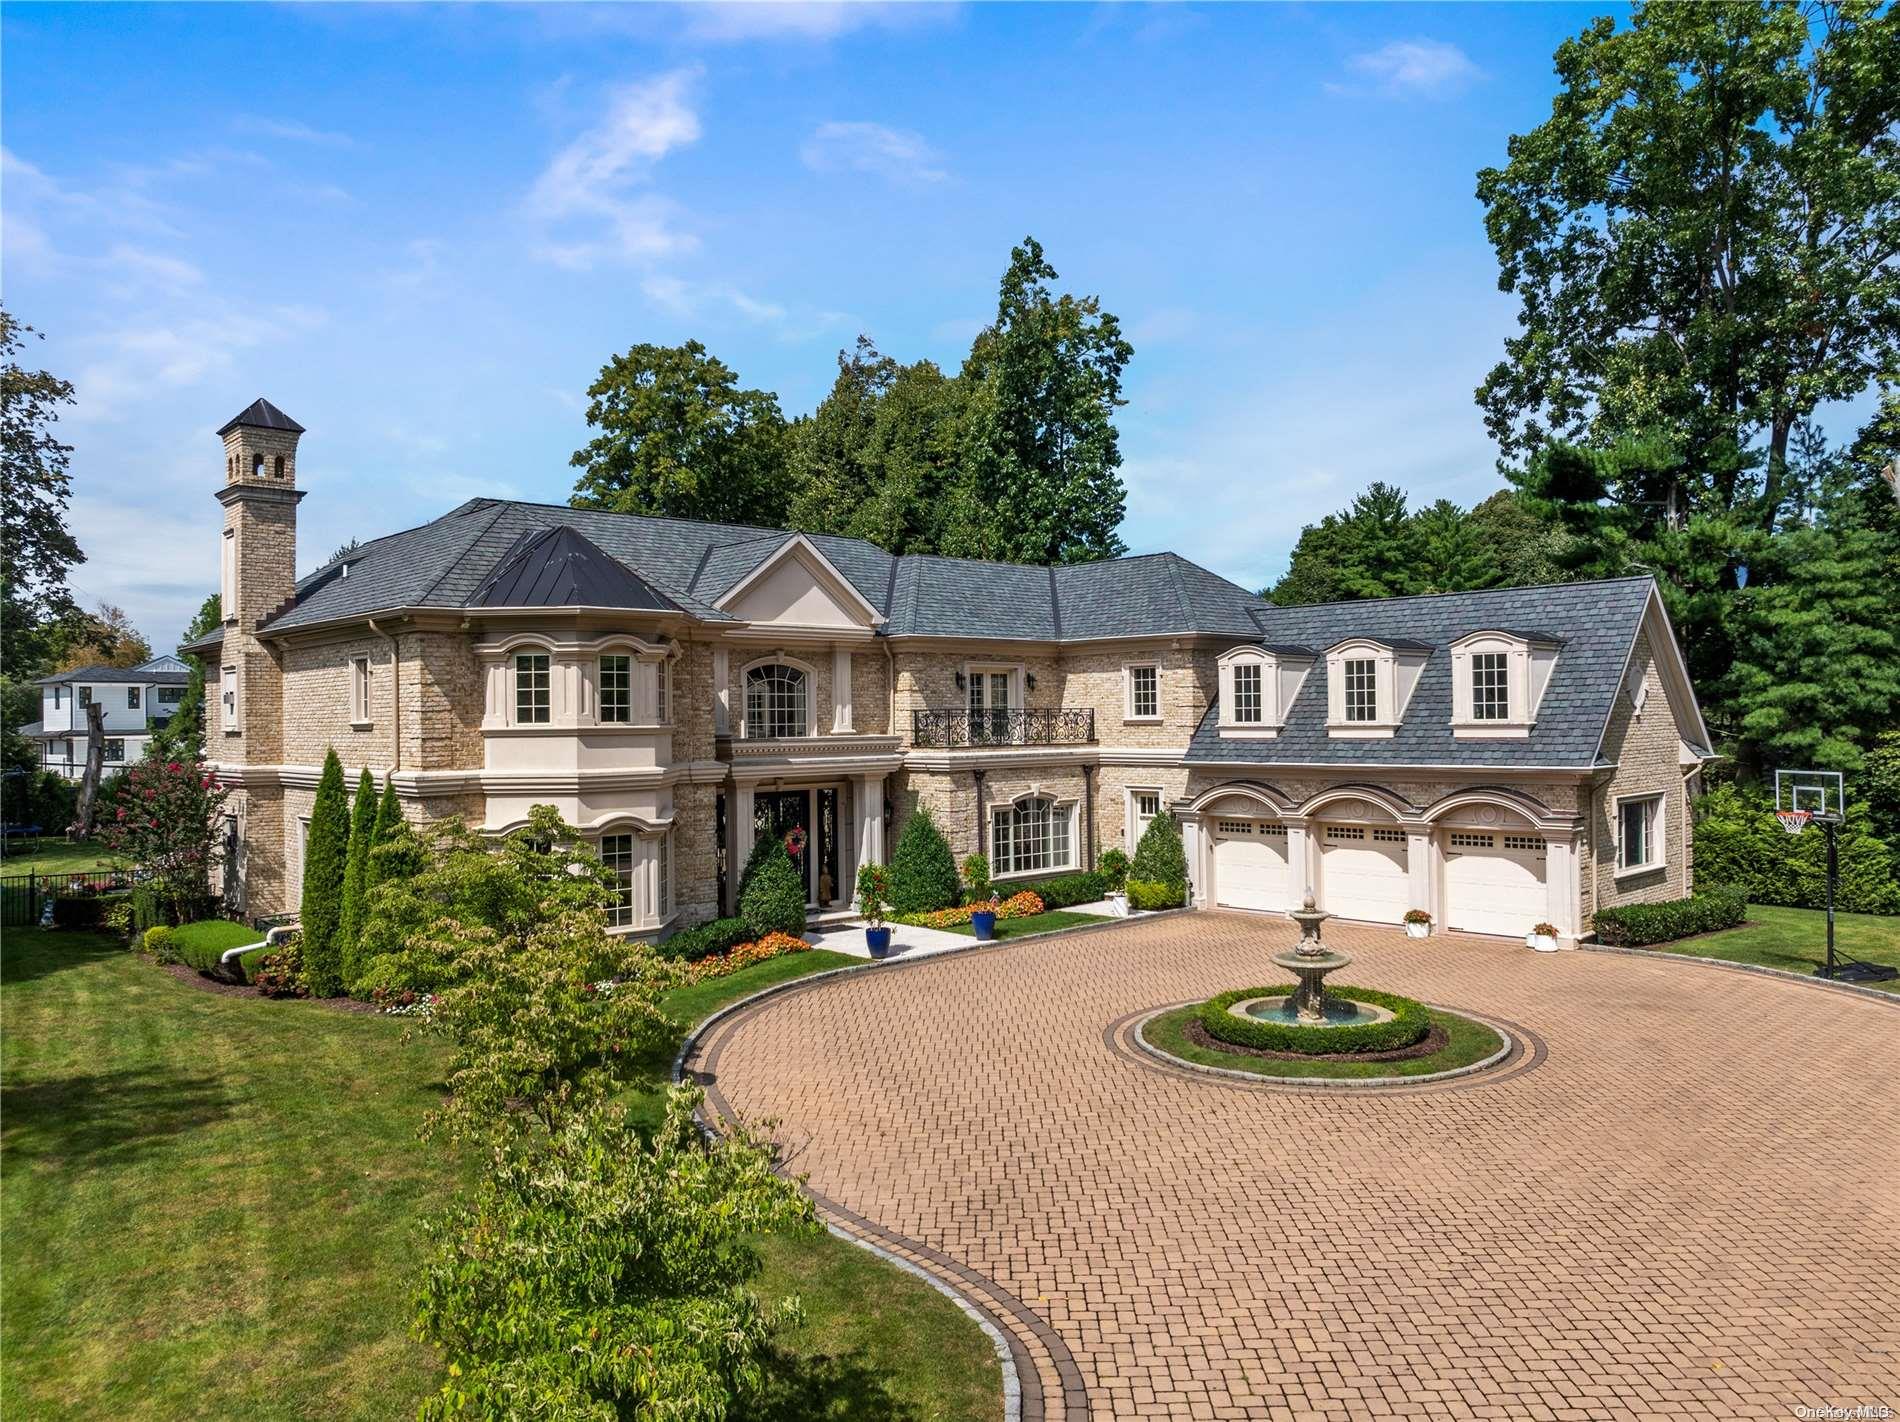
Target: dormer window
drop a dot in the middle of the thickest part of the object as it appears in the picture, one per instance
(1369, 683)
(1498, 679)
(1257, 685)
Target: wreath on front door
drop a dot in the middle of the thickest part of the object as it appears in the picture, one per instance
(795, 842)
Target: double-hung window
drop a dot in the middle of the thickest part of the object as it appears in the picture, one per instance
(661, 692)
(1030, 836)
(616, 689)
(1144, 693)
(663, 875)
(1490, 687)
(1362, 689)
(359, 690)
(532, 699)
(1639, 833)
(616, 852)
(1249, 703)
(131, 698)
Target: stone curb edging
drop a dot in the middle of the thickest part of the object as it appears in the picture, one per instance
(1871, 994)
(995, 1327)
(1335, 1083)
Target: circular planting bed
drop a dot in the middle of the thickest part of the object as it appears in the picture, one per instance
(1237, 1031)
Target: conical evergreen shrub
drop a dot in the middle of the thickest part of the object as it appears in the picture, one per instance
(326, 858)
(923, 871)
(388, 816)
(1160, 859)
(356, 877)
(773, 899)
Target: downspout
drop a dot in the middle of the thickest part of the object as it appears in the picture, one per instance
(977, 776)
(1088, 817)
(890, 685)
(395, 696)
(1688, 838)
(230, 955)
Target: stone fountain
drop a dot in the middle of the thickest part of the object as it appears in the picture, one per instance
(1310, 961)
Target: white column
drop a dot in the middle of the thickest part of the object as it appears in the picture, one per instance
(722, 694)
(869, 811)
(1194, 845)
(739, 841)
(1299, 858)
(1420, 881)
(1562, 886)
(841, 722)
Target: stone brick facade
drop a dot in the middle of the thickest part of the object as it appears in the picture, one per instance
(1645, 740)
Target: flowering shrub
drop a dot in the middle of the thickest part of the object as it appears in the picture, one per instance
(1019, 905)
(718, 965)
(165, 818)
(404, 1002)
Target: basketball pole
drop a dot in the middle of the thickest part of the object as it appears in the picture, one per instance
(1833, 872)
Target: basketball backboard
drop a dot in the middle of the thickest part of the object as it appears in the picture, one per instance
(1819, 792)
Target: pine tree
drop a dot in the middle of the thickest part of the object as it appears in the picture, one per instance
(356, 875)
(923, 871)
(326, 859)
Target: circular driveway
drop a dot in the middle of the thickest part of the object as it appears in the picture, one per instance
(1690, 1206)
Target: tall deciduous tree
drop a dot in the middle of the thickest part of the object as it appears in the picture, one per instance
(1040, 458)
(1702, 239)
(36, 547)
(104, 637)
(679, 437)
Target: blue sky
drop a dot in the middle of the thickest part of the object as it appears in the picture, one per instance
(421, 231)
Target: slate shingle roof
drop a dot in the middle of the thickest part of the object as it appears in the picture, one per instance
(447, 562)
(118, 676)
(1600, 619)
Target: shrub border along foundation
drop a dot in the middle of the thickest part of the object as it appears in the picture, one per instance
(1410, 1021)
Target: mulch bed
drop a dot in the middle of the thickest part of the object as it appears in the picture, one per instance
(185, 973)
(1433, 1041)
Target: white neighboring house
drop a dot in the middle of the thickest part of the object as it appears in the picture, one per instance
(136, 701)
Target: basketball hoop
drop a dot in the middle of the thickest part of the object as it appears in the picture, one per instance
(1794, 821)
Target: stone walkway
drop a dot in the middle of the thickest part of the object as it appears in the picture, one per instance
(1687, 1205)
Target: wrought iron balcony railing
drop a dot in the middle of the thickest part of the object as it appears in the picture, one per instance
(1015, 727)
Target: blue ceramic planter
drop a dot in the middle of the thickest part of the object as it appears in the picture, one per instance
(984, 923)
(879, 940)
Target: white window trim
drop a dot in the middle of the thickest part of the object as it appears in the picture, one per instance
(227, 578)
(1130, 837)
(513, 666)
(1128, 692)
(811, 693)
(1658, 833)
(645, 888)
(1058, 807)
(1014, 670)
(228, 708)
(360, 691)
(1272, 711)
(1519, 687)
(1388, 704)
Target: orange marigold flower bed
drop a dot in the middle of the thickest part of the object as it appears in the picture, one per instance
(717, 965)
(1020, 905)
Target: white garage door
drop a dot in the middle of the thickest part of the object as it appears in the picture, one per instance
(1494, 883)
(1362, 872)
(1250, 868)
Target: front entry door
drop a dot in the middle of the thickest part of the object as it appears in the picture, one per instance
(776, 813)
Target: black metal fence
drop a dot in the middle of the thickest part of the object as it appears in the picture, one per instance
(23, 896)
(1017, 726)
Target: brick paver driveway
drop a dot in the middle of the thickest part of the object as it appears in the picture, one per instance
(1689, 1207)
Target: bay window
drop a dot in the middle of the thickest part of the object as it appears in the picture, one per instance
(532, 682)
(616, 689)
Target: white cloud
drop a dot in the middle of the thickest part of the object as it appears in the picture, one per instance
(588, 201)
(291, 131)
(800, 19)
(700, 300)
(896, 154)
(1421, 67)
(144, 359)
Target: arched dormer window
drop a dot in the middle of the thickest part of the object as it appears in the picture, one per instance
(1257, 686)
(777, 701)
(1497, 680)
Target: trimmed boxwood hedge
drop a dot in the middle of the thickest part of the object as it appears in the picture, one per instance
(1063, 891)
(1635, 925)
(689, 945)
(1147, 895)
(1410, 1021)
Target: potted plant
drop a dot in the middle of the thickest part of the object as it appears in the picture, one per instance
(1542, 937)
(976, 873)
(1418, 923)
(874, 887)
(1113, 867)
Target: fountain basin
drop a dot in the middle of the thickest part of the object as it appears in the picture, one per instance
(1335, 1011)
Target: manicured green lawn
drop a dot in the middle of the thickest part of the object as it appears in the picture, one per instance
(1796, 940)
(1035, 923)
(1467, 1042)
(55, 856)
(210, 1200)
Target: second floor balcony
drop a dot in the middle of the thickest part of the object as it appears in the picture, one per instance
(1015, 726)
